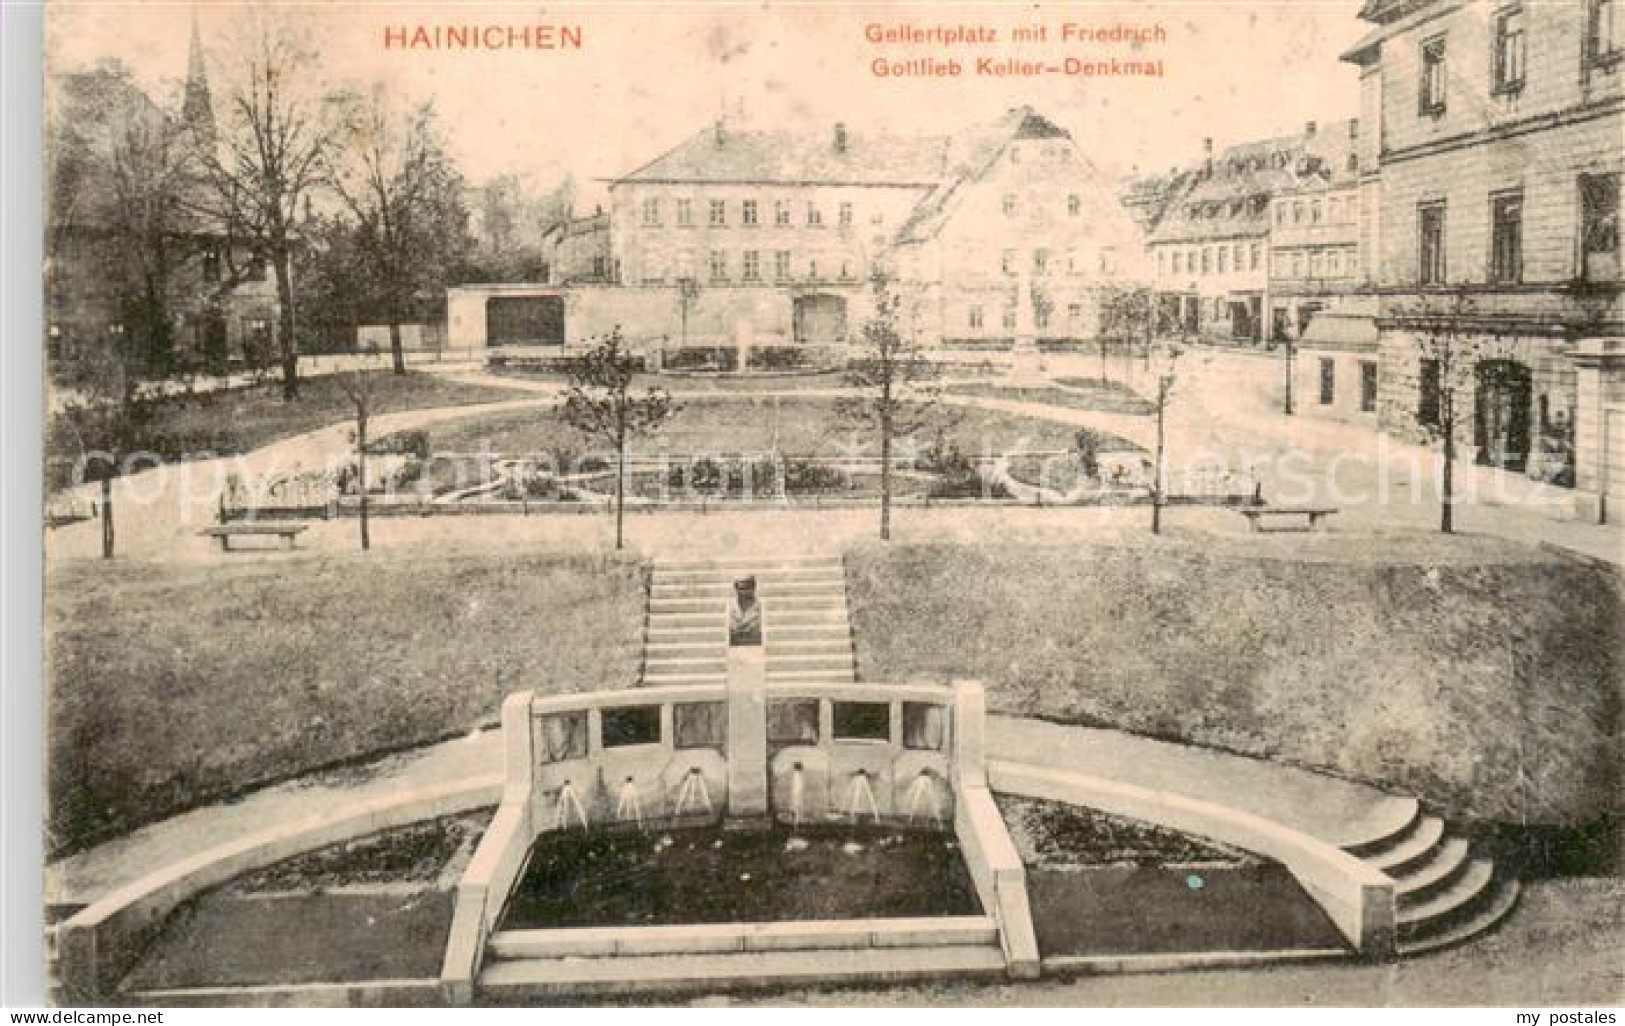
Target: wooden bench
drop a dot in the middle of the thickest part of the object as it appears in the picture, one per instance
(1312, 516)
(254, 529)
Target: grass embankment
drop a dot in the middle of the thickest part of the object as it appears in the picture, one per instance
(236, 420)
(172, 686)
(1477, 675)
(757, 424)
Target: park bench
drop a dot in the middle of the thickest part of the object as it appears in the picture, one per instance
(254, 529)
(1311, 516)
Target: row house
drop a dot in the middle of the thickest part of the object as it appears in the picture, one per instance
(770, 237)
(1490, 202)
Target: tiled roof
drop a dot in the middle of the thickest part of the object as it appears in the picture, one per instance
(727, 154)
(969, 156)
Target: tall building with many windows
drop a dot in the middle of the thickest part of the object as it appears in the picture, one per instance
(1491, 184)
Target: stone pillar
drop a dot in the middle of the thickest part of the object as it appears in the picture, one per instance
(969, 752)
(747, 734)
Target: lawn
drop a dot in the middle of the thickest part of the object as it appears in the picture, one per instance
(172, 686)
(756, 424)
(1080, 394)
(237, 420)
(1485, 678)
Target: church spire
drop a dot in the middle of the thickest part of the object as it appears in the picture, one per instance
(198, 108)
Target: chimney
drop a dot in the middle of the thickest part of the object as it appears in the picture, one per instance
(721, 132)
(1207, 151)
(840, 137)
(1309, 129)
(1207, 146)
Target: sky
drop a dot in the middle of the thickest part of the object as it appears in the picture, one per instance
(650, 74)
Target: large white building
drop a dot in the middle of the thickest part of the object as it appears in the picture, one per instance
(770, 238)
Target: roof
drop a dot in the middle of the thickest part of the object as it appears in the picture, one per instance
(723, 154)
(1232, 199)
(967, 158)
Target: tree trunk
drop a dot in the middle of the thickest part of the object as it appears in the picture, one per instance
(620, 478)
(361, 474)
(1447, 497)
(885, 477)
(397, 353)
(286, 346)
(107, 518)
(1156, 469)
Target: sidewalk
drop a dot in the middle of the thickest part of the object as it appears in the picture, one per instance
(1333, 810)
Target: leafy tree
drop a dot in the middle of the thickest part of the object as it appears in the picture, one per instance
(896, 381)
(357, 388)
(602, 405)
(406, 196)
(1159, 469)
(270, 156)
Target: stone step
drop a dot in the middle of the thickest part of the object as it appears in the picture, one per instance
(766, 592)
(680, 635)
(1501, 902)
(1389, 823)
(706, 644)
(765, 576)
(687, 621)
(825, 661)
(747, 563)
(546, 978)
(662, 679)
(1444, 905)
(683, 664)
(731, 938)
(793, 676)
(830, 632)
(835, 643)
(1410, 849)
(713, 606)
(802, 617)
(1425, 877)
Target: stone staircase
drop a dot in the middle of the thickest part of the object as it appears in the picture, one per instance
(1446, 892)
(804, 619)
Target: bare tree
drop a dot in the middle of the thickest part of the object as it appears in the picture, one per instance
(601, 404)
(895, 379)
(1166, 381)
(405, 194)
(269, 156)
(1447, 348)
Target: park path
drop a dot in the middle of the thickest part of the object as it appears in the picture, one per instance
(1321, 806)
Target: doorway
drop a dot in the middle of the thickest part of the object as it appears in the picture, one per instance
(1501, 414)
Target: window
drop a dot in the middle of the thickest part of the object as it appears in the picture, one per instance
(1315, 212)
(1334, 262)
(1427, 387)
(1162, 262)
(1007, 261)
(1506, 237)
(751, 270)
(781, 212)
(815, 217)
(651, 212)
(257, 269)
(1207, 260)
(1430, 243)
(793, 722)
(1235, 256)
(845, 215)
(1599, 227)
(1041, 317)
(211, 265)
(1280, 213)
(1297, 265)
(747, 212)
(1009, 204)
(719, 213)
(1009, 318)
(699, 724)
(1040, 261)
(719, 265)
(562, 737)
(1334, 210)
(1224, 259)
(1430, 91)
(1256, 256)
(631, 725)
(1179, 262)
(973, 318)
(1368, 386)
(925, 726)
(1074, 206)
(685, 213)
(1603, 34)
(1328, 380)
(1508, 62)
(812, 270)
(781, 264)
(862, 721)
(600, 268)
(1297, 211)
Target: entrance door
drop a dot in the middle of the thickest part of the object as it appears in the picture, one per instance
(1501, 414)
(819, 319)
